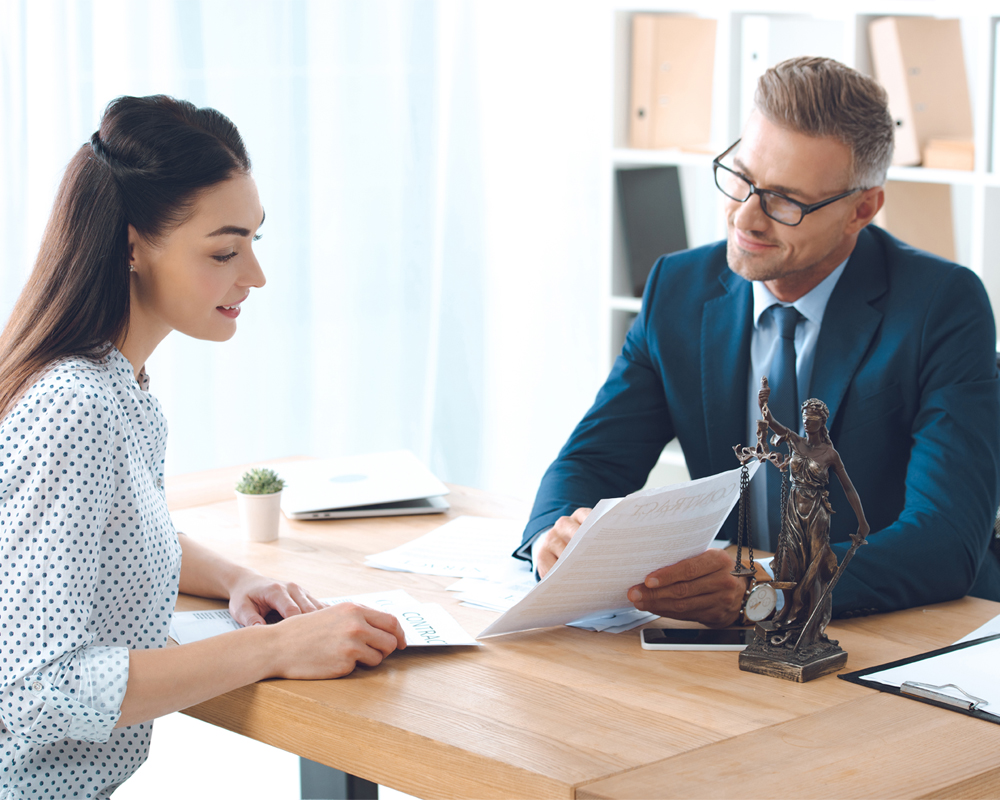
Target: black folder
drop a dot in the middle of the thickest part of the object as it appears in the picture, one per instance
(652, 215)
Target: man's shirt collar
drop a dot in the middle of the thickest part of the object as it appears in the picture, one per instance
(811, 305)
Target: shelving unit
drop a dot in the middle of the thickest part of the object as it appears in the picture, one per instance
(841, 33)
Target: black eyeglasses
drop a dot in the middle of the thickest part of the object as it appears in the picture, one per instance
(776, 205)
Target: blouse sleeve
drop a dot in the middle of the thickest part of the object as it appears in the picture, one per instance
(56, 490)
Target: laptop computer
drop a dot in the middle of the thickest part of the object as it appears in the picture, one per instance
(373, 485)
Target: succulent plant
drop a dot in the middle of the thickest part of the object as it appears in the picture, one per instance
(260, 481)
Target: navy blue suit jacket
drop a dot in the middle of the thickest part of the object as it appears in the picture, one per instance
(906, 362)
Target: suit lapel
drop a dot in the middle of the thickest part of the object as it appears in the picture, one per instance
(725, 357)
(849, 323)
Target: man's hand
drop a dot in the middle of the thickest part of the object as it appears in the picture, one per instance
(555, 539)
(699, 589)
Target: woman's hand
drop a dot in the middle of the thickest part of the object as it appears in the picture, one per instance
(252, 597)
(332, 641)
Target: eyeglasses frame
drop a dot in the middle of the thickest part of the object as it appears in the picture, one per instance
(806, 208)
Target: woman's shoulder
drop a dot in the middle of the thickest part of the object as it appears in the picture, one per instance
(77, 384)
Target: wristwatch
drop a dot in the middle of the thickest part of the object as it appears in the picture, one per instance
(758, 602)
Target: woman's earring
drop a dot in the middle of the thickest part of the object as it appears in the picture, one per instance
(131, 267)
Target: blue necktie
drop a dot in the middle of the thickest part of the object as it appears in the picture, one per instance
(784, 405)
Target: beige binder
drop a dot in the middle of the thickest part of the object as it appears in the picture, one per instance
(920, 215)
(950, 154)
(919, 61)
(640, 131)
(672, 70)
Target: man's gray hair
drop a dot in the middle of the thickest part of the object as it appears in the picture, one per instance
(822, 97)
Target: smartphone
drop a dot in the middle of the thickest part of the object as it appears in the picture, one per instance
(696, 638)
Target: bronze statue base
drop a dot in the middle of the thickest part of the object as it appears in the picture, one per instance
(783, 661)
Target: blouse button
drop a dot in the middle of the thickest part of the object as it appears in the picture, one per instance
(159, 483)
(37, 686)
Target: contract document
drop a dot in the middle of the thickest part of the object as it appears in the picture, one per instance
(424, 624)
(619, 544)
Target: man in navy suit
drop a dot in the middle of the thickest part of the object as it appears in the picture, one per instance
(900, 345)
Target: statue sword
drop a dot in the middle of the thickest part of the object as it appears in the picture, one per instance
(857, 542)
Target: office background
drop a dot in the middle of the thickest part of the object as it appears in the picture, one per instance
(437, 178)
(431, 245)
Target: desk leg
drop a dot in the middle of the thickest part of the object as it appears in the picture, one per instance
(320, 782)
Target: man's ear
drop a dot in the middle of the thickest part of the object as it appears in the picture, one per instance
(865, 208)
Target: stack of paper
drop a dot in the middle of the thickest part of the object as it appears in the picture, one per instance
(424, 624)
(512, 581)
(466, 547)
(624, 619)
(514, 584)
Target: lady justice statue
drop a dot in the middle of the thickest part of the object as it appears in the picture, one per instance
(793, 645)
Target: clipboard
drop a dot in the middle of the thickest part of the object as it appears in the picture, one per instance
(926, 693)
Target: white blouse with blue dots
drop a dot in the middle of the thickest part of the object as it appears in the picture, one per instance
(89, 569)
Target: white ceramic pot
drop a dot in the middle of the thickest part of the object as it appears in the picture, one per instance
(260, 515)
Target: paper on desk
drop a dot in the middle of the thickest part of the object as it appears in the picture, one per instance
(614, 622)
(622, 541)
(974, 668)
(500, 595)
(511, 581)
(193, 626)
(991, 627)
(424, 624)
(466, 547)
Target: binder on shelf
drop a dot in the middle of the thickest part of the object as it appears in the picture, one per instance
(652, 215)
(920, 214)
(920, 63)
(640, 131)
(673, 61)
(950, 154)
(961, 662)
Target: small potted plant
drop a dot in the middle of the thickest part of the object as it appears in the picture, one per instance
(258, 495)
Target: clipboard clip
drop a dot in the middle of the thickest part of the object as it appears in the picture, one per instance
(930, 692)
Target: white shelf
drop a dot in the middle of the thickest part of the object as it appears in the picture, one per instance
(623, 156)
(631, 304)
(954, 177)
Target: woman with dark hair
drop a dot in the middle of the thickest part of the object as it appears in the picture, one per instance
(151, 231)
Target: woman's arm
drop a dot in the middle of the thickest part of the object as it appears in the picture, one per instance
(327, 643)
(251, 596)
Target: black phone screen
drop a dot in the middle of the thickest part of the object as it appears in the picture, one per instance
(681, 638)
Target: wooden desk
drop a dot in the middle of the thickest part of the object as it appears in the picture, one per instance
(568, 713)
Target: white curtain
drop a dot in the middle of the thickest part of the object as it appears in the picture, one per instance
(434, 178)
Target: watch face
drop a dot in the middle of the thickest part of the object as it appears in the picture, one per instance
(761, 602)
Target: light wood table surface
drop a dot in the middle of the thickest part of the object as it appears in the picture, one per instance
(569, 713)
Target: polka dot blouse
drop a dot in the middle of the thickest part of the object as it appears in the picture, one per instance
(89, 568)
